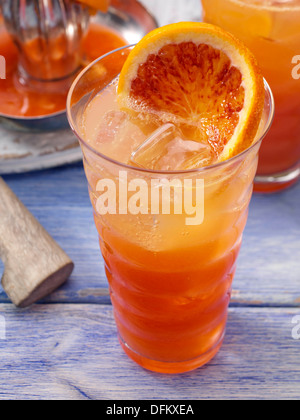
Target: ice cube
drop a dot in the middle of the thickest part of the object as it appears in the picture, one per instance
(110, 126)
(167, 150)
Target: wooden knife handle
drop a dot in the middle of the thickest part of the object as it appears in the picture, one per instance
(35, 265)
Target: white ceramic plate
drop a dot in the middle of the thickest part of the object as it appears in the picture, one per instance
(22, 152)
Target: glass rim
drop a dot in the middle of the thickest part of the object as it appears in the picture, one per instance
(288, 6)
(152, 171)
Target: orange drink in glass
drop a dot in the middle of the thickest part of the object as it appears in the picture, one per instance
(271, 29)
(169, 236)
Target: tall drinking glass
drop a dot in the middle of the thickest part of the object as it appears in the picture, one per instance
(170, 240)
(271, 29)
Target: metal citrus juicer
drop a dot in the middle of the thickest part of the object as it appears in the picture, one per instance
(47, 34)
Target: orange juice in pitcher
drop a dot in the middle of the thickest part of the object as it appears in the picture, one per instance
(271, 29)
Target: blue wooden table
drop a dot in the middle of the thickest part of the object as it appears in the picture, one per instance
(66, 347)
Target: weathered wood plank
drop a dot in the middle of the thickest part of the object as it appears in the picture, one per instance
(72, 352)
(269, 264)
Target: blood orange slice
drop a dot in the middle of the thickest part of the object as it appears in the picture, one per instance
(200, 78)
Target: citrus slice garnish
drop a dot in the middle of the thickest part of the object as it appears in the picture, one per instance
(201, 79)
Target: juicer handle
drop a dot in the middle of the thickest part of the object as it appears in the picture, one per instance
(35, 265)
